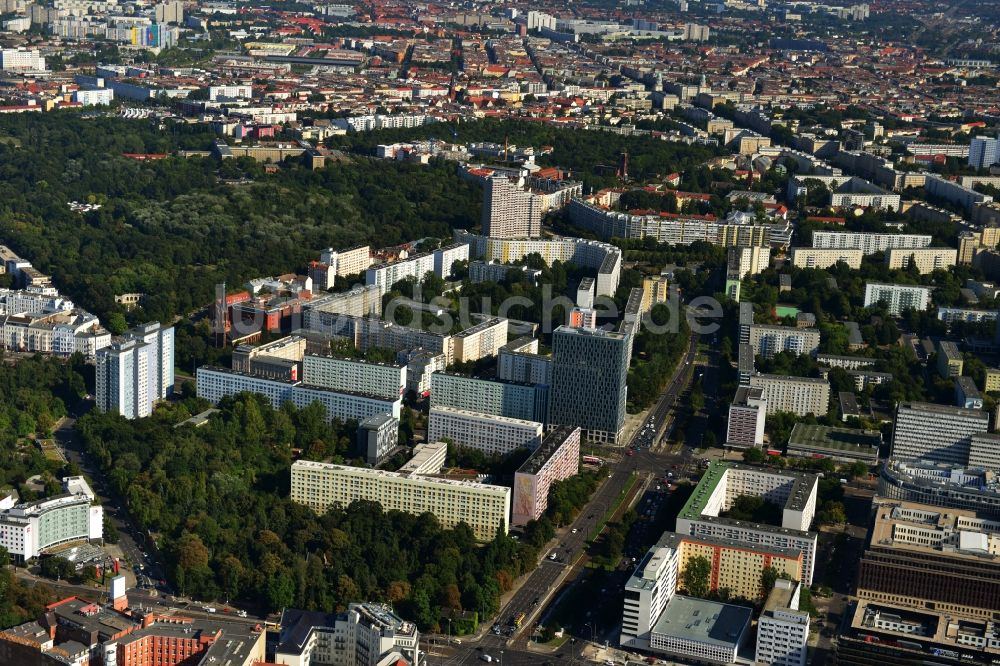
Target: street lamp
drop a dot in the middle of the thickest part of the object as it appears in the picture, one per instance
(592, 632)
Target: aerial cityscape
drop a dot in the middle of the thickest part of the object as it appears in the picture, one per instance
(418, 333)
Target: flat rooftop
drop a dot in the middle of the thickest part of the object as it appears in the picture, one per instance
(781, 595)
(710, 622)
(673, 540)
(467, 413)
(928, 629)
(548, 448)
(694, 508)
(944, 410)
(834, 439)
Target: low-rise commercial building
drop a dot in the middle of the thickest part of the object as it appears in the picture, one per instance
(556, 459)
(967, 395)
(484, 508)
(706, 631)
(76, 632)
(844, 445)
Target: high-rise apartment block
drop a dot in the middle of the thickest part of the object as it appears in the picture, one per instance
(869, 243)
(339, 263)
(949, 359)
(332, 314)
(746, 418)
(509, 211)
(420, 365)
(798, 395)
(484, 508)
(479, 341)
(385, 380)
(984, 152)
(925, 259)
(556, 459)
(519, 361)
(769, 340)
(21, 60)
(214, 384)
(169, 12)
(136, 371)
(723, 482)
(487, 432)
(589, 371)
(897, 297)
(814, 257)
(377, 436)
(783, 629)
(743, 261)
(515, 400)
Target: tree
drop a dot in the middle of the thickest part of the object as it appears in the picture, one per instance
(754, 456)
(858, 469)
(832, 513)
(191, 555)
(230, 576)
(696, 576)
(768, 577)
(280, 591)
(110, 530)
(116, 323)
